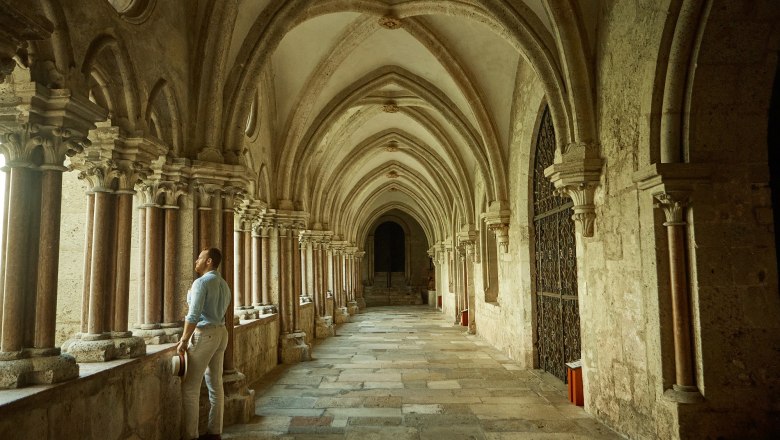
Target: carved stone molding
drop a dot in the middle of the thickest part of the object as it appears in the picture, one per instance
(578, 180)
(392, 175)
(497, 221)
(390, 108)
(211, 154)
(468, 243)
(389, 22)
(206, 194)
(392, 147)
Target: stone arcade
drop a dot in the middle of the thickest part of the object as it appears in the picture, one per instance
(560, 179)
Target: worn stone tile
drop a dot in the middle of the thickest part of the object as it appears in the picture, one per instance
(382, 402)
(451, 433)
(437, 383)
(338, 402)
(443, 384)
(356, 432)
(422, 409)
(375, 421)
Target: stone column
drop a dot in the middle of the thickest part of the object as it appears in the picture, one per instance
(154, 271)
(238, 271)
(324, 321)
(141, 264)
(124, 233)
(370, 251)
(684, 389)
(257, 255)
(352, 305)
(265, 263)
(171, 323)
(239, 399)
(293, 344)
(361, 302)
(87, 261)
(246, 269)
(295, 244)
(36, 360)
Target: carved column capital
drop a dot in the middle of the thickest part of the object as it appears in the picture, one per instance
(673, 204)
(17, 145)
(206, 194)
(468, 244)
(578, 178)
(99, 174)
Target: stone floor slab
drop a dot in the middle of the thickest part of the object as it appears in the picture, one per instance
(407, 372)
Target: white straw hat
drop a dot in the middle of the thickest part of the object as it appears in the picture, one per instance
(179, 363)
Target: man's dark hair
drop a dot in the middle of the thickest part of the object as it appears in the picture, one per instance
(215, 255)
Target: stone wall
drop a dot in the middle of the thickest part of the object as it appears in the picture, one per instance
(137, 398)
(256, 349)
(508, 324)
(307, 321)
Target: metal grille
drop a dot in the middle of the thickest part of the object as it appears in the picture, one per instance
(557, 309)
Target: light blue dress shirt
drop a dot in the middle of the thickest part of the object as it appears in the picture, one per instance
(208, 298)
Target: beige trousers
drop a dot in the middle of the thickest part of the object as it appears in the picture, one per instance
(206, 354)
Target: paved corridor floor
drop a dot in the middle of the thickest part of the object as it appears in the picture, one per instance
(408, 373)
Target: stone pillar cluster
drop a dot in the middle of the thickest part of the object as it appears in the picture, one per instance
(39, 127)
(159, 321)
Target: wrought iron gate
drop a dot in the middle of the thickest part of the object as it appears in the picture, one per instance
(557, 307)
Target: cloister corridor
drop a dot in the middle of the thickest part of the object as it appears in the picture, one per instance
(406, 372)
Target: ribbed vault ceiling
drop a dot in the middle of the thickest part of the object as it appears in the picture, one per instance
(381, 105)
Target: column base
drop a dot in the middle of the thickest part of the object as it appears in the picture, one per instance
(239, 400)
(361, 303)
(104, 350)
(293, 348)
(342, 315)
(159, 336)
(684, 394)
(245, 314)
(37, 370)
(268, 309)
(324, 327)
(352, 308)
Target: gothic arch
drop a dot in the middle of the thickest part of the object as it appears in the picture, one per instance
(163, 109)
(107, 58)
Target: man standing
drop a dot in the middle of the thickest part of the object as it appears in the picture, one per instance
(208, 299)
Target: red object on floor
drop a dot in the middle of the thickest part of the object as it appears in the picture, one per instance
(438, 301)
(574, 378)
(464, 318)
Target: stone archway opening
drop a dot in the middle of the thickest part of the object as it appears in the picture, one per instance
(397, 267)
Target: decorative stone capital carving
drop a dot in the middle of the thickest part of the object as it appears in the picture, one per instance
(171, 191)
(673, 204)
(17, 145)
(578, 180)
(390, 108)
(497, 221)
(231, 197)
(206, 194)
(672, 185)
(468, 244)
(99, 174)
